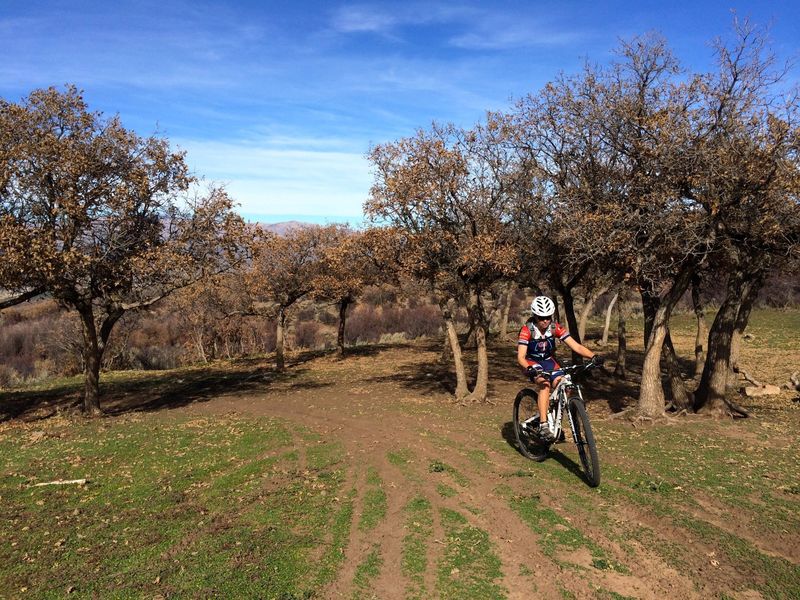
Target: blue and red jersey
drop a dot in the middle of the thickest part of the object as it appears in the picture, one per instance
(541, 346)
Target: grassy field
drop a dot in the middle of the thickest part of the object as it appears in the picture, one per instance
(359, 479)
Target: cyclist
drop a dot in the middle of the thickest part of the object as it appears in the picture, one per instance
(536, 353)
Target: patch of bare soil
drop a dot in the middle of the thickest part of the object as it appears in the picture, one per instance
(398, 399)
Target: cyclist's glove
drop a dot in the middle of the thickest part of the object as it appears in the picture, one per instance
(534, 371)
(598, 360)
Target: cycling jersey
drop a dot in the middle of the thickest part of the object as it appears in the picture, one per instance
(541, 346)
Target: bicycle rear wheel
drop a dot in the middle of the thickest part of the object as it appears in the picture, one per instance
(584, 440)
(526, 421)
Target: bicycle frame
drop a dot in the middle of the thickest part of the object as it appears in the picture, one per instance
(558, 405)
(558, 401)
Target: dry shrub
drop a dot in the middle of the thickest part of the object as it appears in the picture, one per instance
(423, 320)
(8, 376)
(379, 295)
(307, 313)
(155, 358)
(367, 324)
(330, 316)
(364, 325)
(306, 334)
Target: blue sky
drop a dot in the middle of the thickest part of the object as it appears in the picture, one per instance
(281, 100)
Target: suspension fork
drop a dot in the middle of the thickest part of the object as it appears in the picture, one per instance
(578, 393)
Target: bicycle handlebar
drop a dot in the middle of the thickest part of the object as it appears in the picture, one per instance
(567, 369)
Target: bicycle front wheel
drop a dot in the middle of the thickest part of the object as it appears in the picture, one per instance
(526, 421)
(584, 440)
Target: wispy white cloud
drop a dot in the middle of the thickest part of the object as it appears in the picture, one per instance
(281, 175)
(373, 18)
(355, 19)
(465, 27)
(515, 35)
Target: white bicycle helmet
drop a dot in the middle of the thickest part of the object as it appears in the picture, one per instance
(542, 306)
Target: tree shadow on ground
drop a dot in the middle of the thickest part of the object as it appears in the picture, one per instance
(437, 377)
(157, 390)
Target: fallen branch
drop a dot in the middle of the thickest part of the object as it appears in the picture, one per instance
(62, 482)
(747, 377)
(736, 410)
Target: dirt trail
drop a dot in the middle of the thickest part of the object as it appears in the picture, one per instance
(371, 415)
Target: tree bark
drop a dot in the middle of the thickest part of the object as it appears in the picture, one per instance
(710, 394)
(344, 303)
(569, 313)
(587, 308)
(677, 388)
(622, 340)
(280, 361)
(94, 345)
(608, 319)
(91, 362)
(651, 392)
(650, 304)
(480, 391)
(742, 319)
(506, 310)
(455, 347)
(742, 289)
(7, 302)
(702, 329)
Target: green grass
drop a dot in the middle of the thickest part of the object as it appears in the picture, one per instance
(366, 572)
(172, 506)
(374, 510)
(414, 562)
(469, 567)
(437, 466)
(557, 536)
(445, 491)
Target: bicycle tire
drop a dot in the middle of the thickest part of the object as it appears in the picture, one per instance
(526, 405)
(584, 440)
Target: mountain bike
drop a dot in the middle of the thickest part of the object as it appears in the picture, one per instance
(565, 399)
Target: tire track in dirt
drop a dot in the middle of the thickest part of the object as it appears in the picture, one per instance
(360, 439)
(391, 583)
(355, 551)
(369, 429)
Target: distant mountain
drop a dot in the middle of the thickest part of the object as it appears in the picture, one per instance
(284, 226)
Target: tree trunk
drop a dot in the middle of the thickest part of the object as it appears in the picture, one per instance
(622, 340)
(651, 392)
(702, 329)
(481, 388)
(742, 319)
(344, 303)
(91, 362)
(569, 313)
(280, 362)
(447, 350)
(587, 308)
(677, 389)
(650, 304)
(506, 310)
(197, 334)
(608, 319)
(710, 395)
(455, 347)
(94, 345)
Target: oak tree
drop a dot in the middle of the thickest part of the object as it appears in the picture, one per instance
(99, 218)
